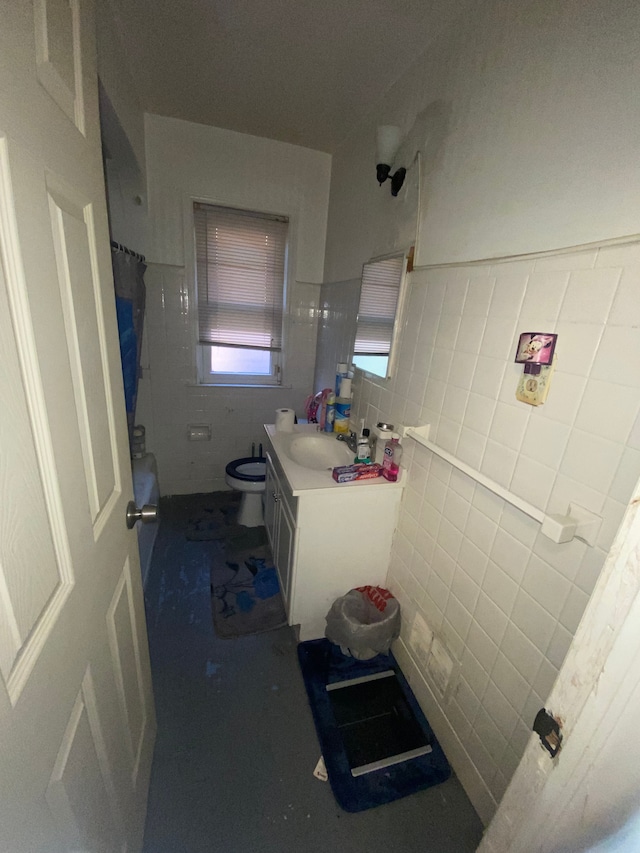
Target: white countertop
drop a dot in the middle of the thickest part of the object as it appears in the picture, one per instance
(303, 480)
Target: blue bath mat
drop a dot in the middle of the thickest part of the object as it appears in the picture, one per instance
(351, 744)
(245, 593)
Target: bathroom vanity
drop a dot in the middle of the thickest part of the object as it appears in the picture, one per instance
(326, 537)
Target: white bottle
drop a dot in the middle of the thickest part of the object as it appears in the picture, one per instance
(342, 372)
(383, 433)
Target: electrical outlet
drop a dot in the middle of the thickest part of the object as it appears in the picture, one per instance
(533, 389)
(420, 639)
(440, 666)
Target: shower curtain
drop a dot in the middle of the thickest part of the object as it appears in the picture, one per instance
(128, 272)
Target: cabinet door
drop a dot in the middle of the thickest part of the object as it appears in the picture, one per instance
(271, 490)
(284, 552)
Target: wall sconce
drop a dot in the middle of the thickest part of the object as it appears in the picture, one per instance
(388, 141)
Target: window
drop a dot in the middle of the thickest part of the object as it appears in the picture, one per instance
(241, 260)
(378, 312)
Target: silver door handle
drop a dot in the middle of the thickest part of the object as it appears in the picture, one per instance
(146, 515)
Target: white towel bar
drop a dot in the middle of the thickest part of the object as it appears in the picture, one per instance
(557, 528)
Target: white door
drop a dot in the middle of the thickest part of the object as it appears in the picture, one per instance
(76, 708)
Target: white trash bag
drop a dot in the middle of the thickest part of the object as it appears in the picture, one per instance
(364, 622)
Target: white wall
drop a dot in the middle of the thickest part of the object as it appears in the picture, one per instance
(122, 127)
(523, 113)
(528, 132)
(504, 599)
(192, 160)
(591, 788)
(115, 69)
(185, 161)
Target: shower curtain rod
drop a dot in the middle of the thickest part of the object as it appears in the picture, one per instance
(120, 248)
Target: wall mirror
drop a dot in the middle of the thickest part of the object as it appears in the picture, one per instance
(379, 314)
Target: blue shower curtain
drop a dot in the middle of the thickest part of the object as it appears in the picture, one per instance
(128, 278)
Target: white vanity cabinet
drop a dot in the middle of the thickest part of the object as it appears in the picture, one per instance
(327, 538)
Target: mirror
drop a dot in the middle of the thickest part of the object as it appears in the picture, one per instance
(379, 312)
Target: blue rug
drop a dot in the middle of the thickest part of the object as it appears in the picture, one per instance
(245, 593)
(323, 663)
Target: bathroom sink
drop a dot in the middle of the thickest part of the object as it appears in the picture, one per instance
(318, 451)
(305, 457)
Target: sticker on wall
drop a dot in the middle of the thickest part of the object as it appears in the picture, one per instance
(536, 352)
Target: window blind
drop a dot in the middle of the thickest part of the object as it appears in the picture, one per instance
(378, 302)
(240, 271)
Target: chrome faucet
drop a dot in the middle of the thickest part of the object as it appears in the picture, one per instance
(351, 440)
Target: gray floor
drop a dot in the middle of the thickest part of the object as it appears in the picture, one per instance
(236, 744)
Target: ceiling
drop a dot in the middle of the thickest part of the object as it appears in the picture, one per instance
(300, 71)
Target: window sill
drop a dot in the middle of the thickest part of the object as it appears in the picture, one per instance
(235, 385)
(372, 376)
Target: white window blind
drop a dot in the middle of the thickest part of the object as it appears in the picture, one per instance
(240, 272)
(378, 303)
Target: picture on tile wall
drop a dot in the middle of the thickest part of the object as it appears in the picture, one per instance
(535, 348)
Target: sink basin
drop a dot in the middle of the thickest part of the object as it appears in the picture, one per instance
(318, 451)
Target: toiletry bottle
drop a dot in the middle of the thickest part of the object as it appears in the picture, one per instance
(363, 453)
(323, 396)
(391, 462)
(342, 372)
(343, 408)
(383, 433)
(330, 412)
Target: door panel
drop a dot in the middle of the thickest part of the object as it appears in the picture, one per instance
(59, 55)
(271, 488)
(30, 574)
(81, 792)
(284, 556)
(36, 574)
(127, 667)
(74, 242)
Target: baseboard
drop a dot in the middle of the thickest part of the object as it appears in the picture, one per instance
(464, 768)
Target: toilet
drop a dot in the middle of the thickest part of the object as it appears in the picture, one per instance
(247, 476)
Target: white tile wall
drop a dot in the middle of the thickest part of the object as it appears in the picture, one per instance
(187, 161)
(504, 599)
(170, 398)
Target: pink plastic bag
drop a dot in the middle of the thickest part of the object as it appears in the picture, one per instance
(364, 622)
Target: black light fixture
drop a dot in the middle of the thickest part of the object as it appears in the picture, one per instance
(388, 141)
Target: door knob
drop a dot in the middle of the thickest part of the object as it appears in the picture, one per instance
(146, 515)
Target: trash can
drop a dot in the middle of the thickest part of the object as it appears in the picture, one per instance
(364, 622)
